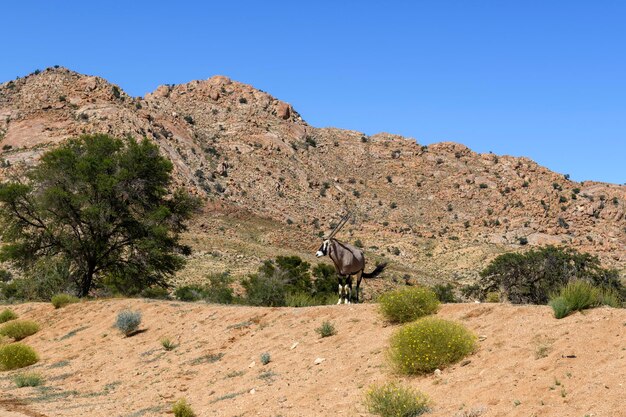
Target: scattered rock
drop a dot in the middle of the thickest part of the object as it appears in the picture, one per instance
(319, 360)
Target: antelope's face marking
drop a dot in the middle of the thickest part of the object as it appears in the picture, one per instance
(323, 250)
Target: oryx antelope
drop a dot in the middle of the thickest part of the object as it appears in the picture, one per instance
(349, 261)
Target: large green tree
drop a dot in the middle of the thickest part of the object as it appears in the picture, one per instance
(104, 206)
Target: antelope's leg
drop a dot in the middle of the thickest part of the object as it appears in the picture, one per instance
(358, 284)
(348, 288)
(340, 294)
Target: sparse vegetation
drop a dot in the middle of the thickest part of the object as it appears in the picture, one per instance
(168, 344)
(408, 304)
(7, 315)
(28, 380)
(580, 295)
(61, 300)
(16, 356)
(265, 358)
(429, 343)
(128, 322)
(531, 277)
(182, 409)
(394, 400)
(287, 278)
(326, 329)
(19, 329)
(444, 293)
(492, 297)
(192, 292)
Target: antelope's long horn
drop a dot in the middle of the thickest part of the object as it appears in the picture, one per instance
(342, 222)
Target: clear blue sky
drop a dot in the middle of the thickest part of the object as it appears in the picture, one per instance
(544, 79)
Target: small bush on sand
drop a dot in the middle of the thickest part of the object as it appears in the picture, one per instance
(128, 321)
(28, 380)
(168, 344)
(16, 356)
(265, 358)
(182, 409)
(393, 400)
(581, 295)
(61, 300)
(428, 344)
(326, 329)
(560, 307)
(19, 329)
(408, 304)
(7, 315)
(609, 297)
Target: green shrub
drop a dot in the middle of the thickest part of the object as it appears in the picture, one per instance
(408, 304)
(326, 329)
(492, 297)
(306, 300)
(192, 292)
(531, 277)
(155, 293)
(428, 344)
(265, 358)
(19, 329)
(7, 315)
(266, 290)
(325, 279)
(560, 307)
(444, 293)
(393, 400)
(182, 409)
(581, 295)
(61, 300)
(219, 290)
(16, 356)
(609, 297)
(128, 321)
(167, 344)
(28, 380)
(44, 279)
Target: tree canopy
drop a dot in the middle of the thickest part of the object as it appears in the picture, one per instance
(102, 206)
(531, 277)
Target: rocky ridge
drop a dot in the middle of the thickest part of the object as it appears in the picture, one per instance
(438, 211)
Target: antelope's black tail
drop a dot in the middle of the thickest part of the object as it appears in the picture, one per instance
(376, 272)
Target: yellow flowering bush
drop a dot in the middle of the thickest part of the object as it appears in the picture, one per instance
(19, 329)
(16, 355)
(408, 304)
(393, 400)
(428, 344)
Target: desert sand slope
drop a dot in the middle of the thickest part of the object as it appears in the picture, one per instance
(528, 363)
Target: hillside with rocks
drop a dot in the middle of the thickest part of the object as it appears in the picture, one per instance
(273, 184)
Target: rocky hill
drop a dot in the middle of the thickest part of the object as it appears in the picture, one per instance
(273, 183)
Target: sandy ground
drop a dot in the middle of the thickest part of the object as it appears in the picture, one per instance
(528, 363)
